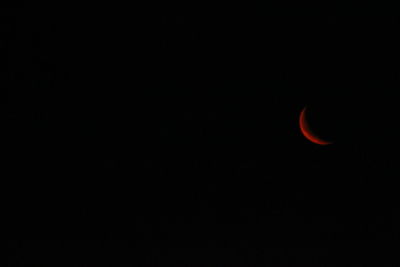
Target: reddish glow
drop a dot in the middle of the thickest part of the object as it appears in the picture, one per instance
(305, 130)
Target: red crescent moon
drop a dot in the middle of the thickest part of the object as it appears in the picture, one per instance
(305, 130)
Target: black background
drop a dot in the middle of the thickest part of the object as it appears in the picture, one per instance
(172, 138)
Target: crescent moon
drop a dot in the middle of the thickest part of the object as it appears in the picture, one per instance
(305, 130)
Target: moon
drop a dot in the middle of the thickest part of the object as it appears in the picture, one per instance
(306, 131)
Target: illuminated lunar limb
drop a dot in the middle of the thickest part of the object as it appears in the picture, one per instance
(306, 131)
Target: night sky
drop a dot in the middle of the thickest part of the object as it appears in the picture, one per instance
(173, 139)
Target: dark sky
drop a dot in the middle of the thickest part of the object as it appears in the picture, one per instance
(173, 140)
